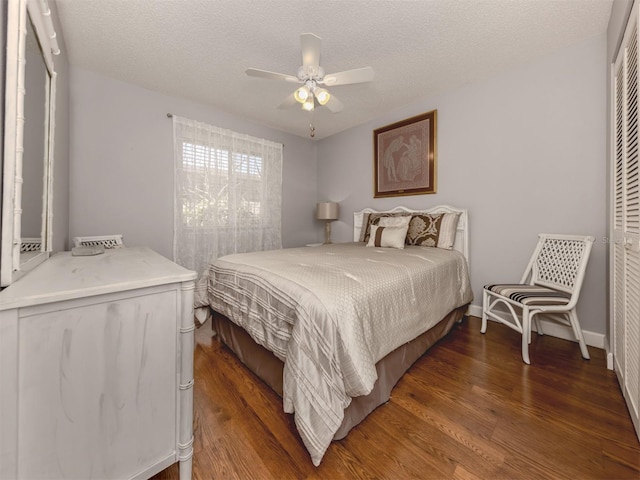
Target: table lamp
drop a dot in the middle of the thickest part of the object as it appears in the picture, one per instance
(327, 211)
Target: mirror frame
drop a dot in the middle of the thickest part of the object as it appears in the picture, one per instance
(18, 14)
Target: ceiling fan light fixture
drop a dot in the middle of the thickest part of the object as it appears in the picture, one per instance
(309, 104)
(302, 94)
(322, 96)
(311, 77)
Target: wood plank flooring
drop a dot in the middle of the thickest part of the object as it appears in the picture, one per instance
(468, 409)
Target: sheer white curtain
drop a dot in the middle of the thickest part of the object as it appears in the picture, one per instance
(228, 189)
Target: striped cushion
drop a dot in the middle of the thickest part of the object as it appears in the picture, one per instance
(530, 294)
(387, 236)
(373, 219)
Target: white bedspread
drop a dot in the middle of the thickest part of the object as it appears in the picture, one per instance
(331, 312)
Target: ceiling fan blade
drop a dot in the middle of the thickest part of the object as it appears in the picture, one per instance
(310, 47)
(334, 104)
(289, 102)
(255, 72)
(358, 75)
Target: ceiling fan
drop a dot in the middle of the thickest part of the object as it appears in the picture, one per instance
(313, 79)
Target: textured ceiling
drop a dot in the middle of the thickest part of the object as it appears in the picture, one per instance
(199, 49)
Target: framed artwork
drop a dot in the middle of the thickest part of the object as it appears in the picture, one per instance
(404, 157)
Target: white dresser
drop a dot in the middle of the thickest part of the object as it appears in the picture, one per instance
(96, 368)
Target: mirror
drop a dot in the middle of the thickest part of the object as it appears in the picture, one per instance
(29, 134)
(33, 155)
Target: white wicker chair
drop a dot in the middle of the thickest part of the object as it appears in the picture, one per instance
(550, 285)
(107, 241)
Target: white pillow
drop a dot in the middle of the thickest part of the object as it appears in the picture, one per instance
(392, 237)
(395, 221)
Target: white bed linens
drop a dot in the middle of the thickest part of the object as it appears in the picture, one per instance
(331, 312)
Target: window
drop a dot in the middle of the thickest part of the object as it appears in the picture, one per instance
(227, 193)
(209, 207)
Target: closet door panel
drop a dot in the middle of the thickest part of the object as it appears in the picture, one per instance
(625, 251)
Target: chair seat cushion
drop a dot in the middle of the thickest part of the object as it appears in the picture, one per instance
(530, 294)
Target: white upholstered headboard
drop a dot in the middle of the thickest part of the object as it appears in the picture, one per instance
(461, 243)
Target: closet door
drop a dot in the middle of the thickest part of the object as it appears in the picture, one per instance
(625, 249)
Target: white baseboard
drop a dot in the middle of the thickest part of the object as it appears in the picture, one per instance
(556, 330)
(475, 310)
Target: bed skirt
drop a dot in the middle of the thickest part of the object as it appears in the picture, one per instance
(390, 369)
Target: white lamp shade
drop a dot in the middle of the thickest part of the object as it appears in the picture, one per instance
(327, 211)
(309, 104)
(322, 96)
(301, 94)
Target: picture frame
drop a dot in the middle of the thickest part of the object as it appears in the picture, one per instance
(404, 157)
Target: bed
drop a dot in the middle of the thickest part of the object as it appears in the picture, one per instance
(333, 328)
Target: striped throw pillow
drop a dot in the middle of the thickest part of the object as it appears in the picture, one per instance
(392, 237)
(374, 219)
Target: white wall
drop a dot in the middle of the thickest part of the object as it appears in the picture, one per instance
(122, 163)
(523, 151)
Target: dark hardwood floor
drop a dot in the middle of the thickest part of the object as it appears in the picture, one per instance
(468, 409)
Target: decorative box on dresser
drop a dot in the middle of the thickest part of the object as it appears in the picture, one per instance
(96, 368)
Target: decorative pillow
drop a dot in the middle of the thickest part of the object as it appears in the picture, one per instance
(402, 221)
(393, 237)
(364, 229)
(433, 230)
(372, 219)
